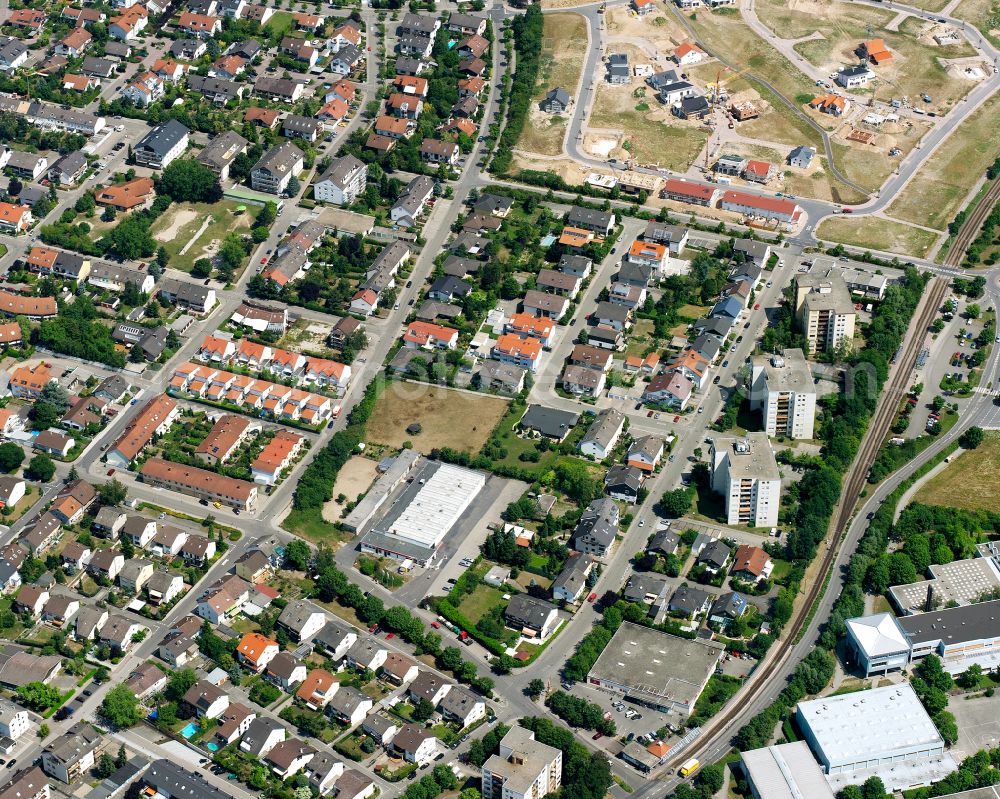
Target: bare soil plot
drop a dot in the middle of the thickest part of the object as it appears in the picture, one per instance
(724, 32)
(183, 231)
(870, 165)
(877, 234)
(972, 481)
(660, 28)
(568, 170)
(564, 38)
(915, 68)
(942, 183)
(447, 418)
(352, 481)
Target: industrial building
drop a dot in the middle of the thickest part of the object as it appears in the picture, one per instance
(424, 511)
(960, 582)
(782, 389)
(785, 771)
(655, 669)
(745, 472)
(868, 730)
(959, 636)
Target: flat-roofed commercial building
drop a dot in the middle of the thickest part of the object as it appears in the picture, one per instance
(782, 389)
(656, 669)
(961, 582)
(956, 635)
(424, 512)
(869, 729)
(788, 771)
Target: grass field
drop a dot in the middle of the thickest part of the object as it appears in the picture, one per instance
(950, 173)
(475, 605)
(653, 136)
(563, 50)
(448, 418)
(280, 23)
(984, 14)
(183, 221)
(877, 234)
(972, 481)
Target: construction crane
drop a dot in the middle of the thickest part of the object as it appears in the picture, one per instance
(717, 94)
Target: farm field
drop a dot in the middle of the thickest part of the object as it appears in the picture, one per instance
(951, 172)
(447, 418)
(972, 481)
(878, 234)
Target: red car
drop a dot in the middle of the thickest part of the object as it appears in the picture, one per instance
(373, 629)
(597, 735)
(756, 306)
(592, 597)
(390, 636)
(263, 260)
(435, 625)
(677, 418)
(110, 472)
(848, 210)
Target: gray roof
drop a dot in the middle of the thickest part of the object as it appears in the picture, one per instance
(953, 625)
(223, 149)
(169, 779)
(459, 702)
(688, 599)
(409, 737)
(599, 522)
(606, 425)
(559, 95)
(297, 613)
(642, 585)
(549, 422)
(347, 700)
(164, 137)
(74, 744)
(340, 170)
(280, 159)
(528, 610)
(283, 665)
(258, 732)
(716, 553)
(664, 541)
(622, 476)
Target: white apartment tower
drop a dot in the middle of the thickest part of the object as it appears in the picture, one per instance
(523, 769)
(824, 309)
(781, 387)
(745, 473)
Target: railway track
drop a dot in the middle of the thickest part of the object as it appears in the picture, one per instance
(971, 226)
(853, 486)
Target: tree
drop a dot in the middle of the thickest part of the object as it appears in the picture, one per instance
(946, 726)
(423, 710)
(38, 696)
(873, 788)
(186, 180)
(971, 438)
(179, 683)
(931, 672)
(674, 504)
(40, 468)
(112, 492)
(972, 310)
(43, 732)
(534, 689)
(105, 766)
(56, 394)
(131, 239)
(971, 676)
(202, 268)
(297, 554)
(11, 456)
(121, 707)
(293, 186)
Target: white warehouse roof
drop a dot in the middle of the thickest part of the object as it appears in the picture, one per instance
(867, 725)
(438, 504)
(788, 771)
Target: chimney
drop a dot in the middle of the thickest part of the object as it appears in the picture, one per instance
(929, 604)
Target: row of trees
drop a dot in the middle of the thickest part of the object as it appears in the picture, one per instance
(579, 712)
(526, 32)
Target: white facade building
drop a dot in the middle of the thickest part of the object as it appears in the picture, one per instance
(745, 473)
(781, 387)
(523, 768)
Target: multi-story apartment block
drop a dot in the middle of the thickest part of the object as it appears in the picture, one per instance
(781, 387)
(523, 769)
(824, 310)
(745, 472)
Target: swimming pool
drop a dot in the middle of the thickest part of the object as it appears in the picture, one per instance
(212, 746)
(189, 729)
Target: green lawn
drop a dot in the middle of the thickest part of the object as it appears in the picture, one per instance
(182, 223)
(972, 481)
(280, 23)
(475, 605)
